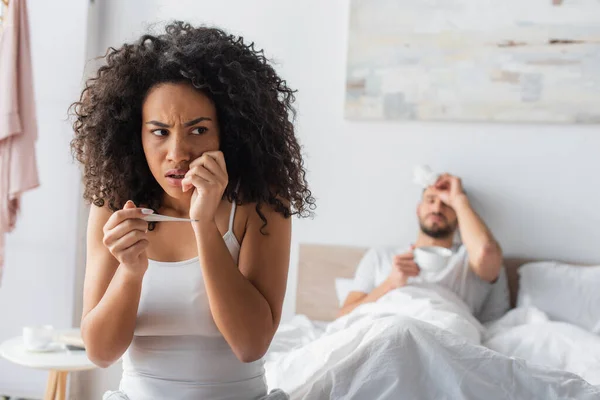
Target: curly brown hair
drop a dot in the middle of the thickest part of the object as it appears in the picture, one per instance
(254, 109)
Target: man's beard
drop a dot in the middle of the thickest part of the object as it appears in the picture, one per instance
(438, 232)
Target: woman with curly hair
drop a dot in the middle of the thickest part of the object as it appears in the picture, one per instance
(191, 123)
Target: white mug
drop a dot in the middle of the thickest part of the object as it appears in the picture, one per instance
(432, 259)
(38, 337)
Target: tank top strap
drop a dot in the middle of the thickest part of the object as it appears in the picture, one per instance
(233, 207)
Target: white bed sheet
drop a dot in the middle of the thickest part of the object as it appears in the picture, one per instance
(419, 342)
(528, 333)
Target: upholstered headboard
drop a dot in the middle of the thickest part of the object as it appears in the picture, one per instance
(320, 265)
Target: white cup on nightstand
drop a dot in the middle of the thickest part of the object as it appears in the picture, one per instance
(38, 338)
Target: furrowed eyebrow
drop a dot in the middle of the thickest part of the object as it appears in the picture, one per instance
(195, 121)
(189, 123)
(160, 124)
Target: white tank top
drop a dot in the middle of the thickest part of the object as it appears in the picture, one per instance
(177, 351)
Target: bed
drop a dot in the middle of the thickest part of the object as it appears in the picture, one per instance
(319, 265)
(380, 354)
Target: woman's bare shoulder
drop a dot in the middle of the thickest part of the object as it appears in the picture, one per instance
(99, 215)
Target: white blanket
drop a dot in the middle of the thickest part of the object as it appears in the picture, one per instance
(528, 333)
(394, 348)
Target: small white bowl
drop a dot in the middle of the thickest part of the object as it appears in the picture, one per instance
(432, 258)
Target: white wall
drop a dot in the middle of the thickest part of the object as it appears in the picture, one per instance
(40, 261)
(533, 184)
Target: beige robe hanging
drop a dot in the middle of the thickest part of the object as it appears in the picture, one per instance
(18, 125)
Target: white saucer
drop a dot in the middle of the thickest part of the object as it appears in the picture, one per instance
(50, 348)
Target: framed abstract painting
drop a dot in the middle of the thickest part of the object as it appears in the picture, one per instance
(474, 60)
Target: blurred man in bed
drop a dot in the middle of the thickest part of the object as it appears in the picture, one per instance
(474, 272)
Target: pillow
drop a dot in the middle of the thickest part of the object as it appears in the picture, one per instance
(343, 286)
(557, 345)
(565, 292)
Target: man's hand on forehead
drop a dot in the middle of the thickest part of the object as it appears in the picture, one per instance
(449, 189)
